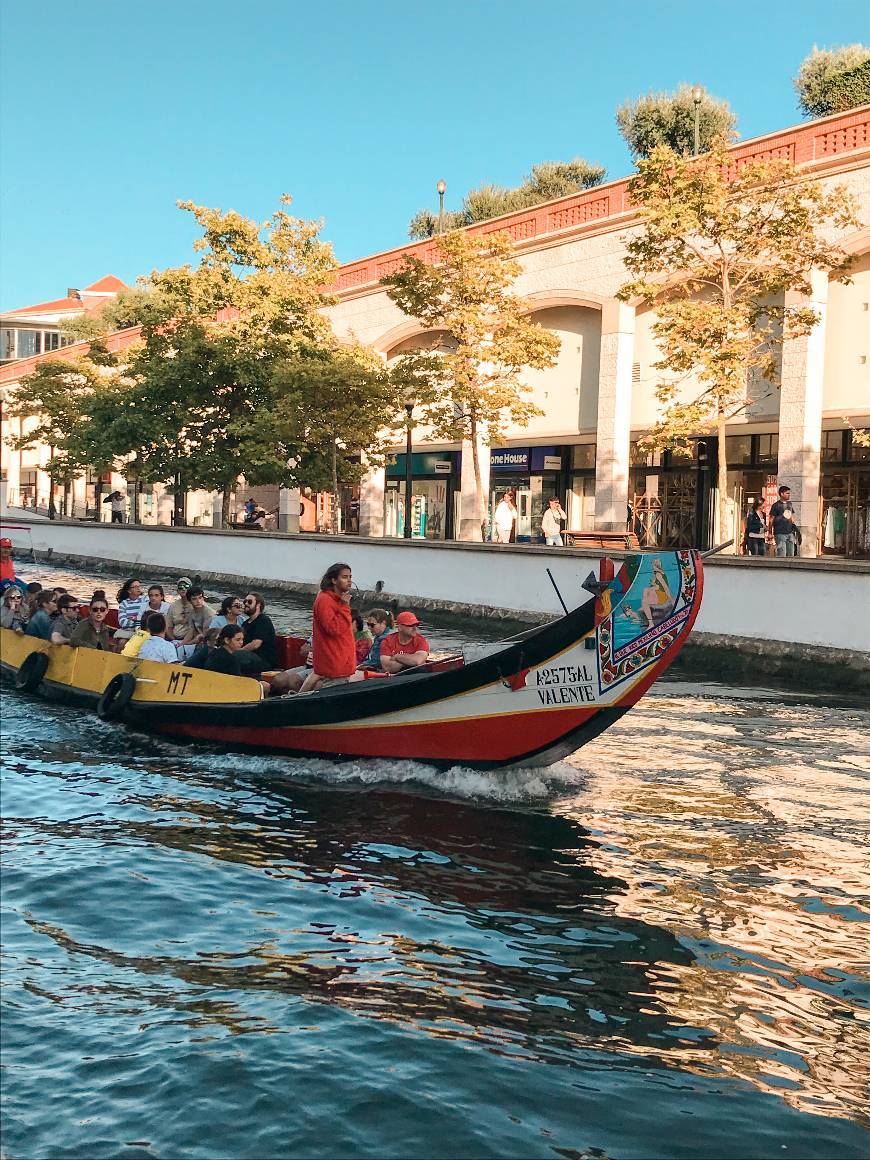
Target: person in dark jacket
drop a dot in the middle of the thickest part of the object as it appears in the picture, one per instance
(754, 535)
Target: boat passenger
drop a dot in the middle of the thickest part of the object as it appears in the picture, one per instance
(134, 645)
(13, 613)
(40, 623)
(292, 680)
(31, 592)
(64, 625)
(179, 610)
(362, 636)
(405, 648)
(7, 565)
(380, 624)
(231, 611)
(157, 601)
(258, 650)
(93, 632)
(132, 602)
(225, 658)
(157, 647)
(203, 651)
(332, 631)
(198, 620)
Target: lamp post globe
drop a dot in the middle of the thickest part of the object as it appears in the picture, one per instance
(442, 188)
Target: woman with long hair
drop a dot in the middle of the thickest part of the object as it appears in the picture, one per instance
(132, 602)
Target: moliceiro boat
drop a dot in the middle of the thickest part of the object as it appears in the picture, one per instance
(532, 700)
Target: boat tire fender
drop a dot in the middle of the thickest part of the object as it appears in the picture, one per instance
(30, 672)
(116, 696)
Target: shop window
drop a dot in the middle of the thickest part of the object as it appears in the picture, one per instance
(738, 449)
(766, 448)
(638, 457)
(858, 453)
(832, 446)
(583, 457)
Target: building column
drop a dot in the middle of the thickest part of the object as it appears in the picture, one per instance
(614, 416)
(372, 487)
(800, 413)
(288, 509)
(470, 515)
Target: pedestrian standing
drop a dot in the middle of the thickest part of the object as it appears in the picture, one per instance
(754, 533)
(551, 523)
(781, 523)
(504, 518)
(119, 506)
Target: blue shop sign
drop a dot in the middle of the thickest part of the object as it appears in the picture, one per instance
(509, 459)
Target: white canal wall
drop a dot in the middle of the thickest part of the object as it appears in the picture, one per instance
(807, 603)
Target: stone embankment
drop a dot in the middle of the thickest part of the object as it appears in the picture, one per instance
(805, 622)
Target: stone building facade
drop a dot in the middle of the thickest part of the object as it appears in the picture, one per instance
(600, 397)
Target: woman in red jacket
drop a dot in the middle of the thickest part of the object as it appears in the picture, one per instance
(332, 643)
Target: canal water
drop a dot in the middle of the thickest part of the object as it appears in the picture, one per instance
(655, 949)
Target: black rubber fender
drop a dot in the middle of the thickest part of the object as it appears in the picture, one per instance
(30, 672)
(116, 697)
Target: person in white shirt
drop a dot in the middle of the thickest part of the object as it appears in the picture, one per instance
(551, 524)
(157, 647)
(505, 514)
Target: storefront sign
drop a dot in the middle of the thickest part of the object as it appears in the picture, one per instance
(552, 463)
(423, 463)
(509, 459)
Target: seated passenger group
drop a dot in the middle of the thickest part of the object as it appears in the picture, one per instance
(239, 639)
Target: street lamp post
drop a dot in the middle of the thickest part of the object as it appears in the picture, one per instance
(409, 471)
(441, 187)
(697, 97)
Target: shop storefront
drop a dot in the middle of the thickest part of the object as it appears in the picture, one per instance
(844, 496)
(672, 502)
(434, 495)
(533, 474)
(581, 489)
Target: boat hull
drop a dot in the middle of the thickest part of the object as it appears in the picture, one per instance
(533, 702)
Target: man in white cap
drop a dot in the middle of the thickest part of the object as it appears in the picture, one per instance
(404, 648)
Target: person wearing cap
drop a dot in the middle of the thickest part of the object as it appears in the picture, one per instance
(781, 524)
(179, 611)
(7, 565)
(405, 648)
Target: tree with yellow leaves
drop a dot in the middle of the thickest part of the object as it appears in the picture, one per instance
(469, 381)
(724, 249)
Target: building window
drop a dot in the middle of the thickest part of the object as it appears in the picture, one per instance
(7, 343)
(51, 340)
(29, 343)
(857, 452)
(583, 457)
(738, 449)
(766, 448)
(832, 446)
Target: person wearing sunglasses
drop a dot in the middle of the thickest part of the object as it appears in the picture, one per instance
(179, 611)
(379, 622)
(13, 613)
(232, 611)
(93, 632)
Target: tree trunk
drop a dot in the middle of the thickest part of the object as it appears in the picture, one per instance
(722, 477)
(98, 499)
(478, 484)
(66, 498)
(134, 501)
(336, 499)
(226, 502)
(52, 510)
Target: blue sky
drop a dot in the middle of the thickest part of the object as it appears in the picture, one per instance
(109, 112)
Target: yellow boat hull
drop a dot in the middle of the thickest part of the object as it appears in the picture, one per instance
(86, 672)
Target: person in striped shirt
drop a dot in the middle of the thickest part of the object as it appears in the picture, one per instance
(132, 602)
